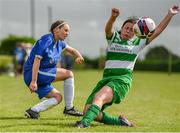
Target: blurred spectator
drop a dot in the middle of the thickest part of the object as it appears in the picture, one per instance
(19, 58)
(27, 47)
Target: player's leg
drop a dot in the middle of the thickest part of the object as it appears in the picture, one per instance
(68, 77)
(103, 96)
(110, 120)
(53, 98)
(116, 120)
(119, 91)
(98, 118)
(45, 77)
(101, 100)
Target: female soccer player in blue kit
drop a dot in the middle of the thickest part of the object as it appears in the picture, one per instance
(40, 71)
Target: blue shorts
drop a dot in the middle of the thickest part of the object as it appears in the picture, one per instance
(44, 80)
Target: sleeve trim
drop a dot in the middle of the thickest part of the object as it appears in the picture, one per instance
(110, 40)
(38, 56)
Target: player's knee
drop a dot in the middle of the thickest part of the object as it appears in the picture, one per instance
(98, 99)
(70, 74)
(58, 97)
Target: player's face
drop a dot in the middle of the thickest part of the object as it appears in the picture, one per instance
(127, 31)
(64, 32)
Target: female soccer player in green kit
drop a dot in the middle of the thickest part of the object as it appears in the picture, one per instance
(122, 51)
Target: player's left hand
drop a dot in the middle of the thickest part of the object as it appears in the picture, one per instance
(174, 10)
(79, 60)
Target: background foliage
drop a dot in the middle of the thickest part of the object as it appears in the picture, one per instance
(156, 59)
(8, 44)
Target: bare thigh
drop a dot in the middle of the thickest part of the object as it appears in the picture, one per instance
(63, 74)
(104, 96)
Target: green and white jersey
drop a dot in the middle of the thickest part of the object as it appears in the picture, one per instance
(122, 55)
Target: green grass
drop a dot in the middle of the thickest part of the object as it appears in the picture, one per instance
(152, 103)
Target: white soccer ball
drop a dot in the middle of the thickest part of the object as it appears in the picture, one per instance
(144, 27)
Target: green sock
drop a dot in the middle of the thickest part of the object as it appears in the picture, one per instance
(91, 114)
(110, 120)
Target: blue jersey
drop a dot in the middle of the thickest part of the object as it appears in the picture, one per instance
(46, 49)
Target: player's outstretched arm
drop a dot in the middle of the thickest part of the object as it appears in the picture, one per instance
(163, 24)
(109, 24)
(79, 59)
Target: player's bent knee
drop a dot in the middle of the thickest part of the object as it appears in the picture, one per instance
(70, 74)
(97, 99)
(58, 97)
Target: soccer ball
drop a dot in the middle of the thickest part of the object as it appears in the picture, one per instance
(144, 27)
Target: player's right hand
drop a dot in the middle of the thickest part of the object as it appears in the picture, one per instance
(33, 86)
(79, 60)
(115, 12)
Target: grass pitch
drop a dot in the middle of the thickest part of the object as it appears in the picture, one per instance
(152, 103)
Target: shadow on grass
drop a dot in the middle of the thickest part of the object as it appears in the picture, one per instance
(37, 124)
(45, 118)
(12, 118)
(17, 122)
